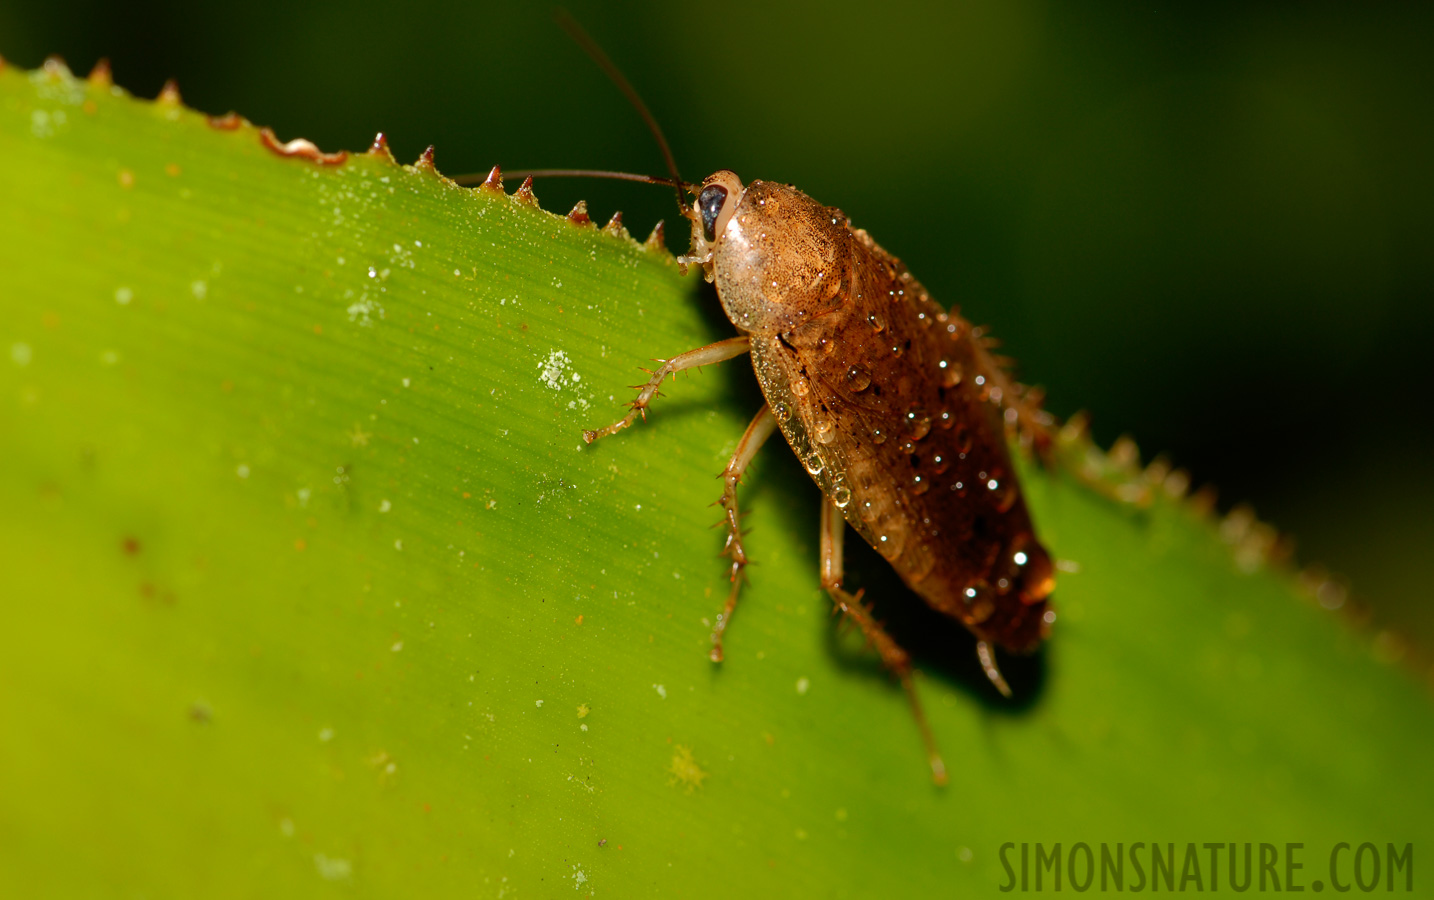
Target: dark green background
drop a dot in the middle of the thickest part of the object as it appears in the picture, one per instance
(1208, 224)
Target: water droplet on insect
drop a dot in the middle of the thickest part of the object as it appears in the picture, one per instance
(801, 387)
(945, 419)
(950, 373)
(898, 350)
(918, 423)
(858, 378)
(781, 411)
(978, 601)
(920, 485)
(889, 545)
(826, 430)
(877, 437)
(841, 494)
(939, 464)
(877, 322)
(813, 462)
(828, 347)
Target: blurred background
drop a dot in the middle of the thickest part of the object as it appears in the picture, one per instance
(1210, 224)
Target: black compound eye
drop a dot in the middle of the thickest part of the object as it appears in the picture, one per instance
(709, 206)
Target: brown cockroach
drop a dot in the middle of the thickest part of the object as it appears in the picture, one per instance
(896, 408)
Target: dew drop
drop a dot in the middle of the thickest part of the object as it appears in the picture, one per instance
(978, 601)
(813, 462)
(918, 423)
(950, 373)
(841, 494)
(801, 387)
(939, 464)
(920, 485)
(898, 350)
(877, 323)
(826, 430)
(781, 411)
(858, 378)
(878, 436)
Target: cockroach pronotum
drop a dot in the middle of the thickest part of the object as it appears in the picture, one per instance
(897, 409)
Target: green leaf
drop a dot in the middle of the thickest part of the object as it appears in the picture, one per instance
(312, 586)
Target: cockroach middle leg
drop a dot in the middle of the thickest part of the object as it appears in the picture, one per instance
(761, 428)
(1022, 405)
(893, 656)
(702, 356)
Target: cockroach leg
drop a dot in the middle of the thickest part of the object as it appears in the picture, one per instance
(702, 356)
(761, 428)
(987, 656)
(896, 659)
(1023, 412)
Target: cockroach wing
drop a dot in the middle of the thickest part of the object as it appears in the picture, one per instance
(887, 410)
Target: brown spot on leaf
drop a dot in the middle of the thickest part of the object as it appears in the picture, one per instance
(301, 147)
(54, 66)
(614, 226)
(230, 121)
(379, 148)
(524, 193)
(658, 239)
(101, 76)
(130, 546)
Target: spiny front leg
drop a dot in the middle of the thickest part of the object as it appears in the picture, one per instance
(896, 659)
(702, 356)
(761, 428)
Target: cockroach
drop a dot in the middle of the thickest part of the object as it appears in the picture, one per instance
(897, 409)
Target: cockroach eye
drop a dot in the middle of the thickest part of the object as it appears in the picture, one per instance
(709, 206)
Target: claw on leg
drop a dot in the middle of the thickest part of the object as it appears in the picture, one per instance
(987, 656)
(702, 356)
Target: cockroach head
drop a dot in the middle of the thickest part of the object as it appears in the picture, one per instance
(716, 199)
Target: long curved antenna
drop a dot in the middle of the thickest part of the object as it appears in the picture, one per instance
(479, 177)
(576, 32)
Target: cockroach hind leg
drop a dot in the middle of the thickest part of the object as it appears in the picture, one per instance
(987, 655)
(893, 655)
(760, 428)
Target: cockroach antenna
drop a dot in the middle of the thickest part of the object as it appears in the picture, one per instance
(595, 52)
(590, 47)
